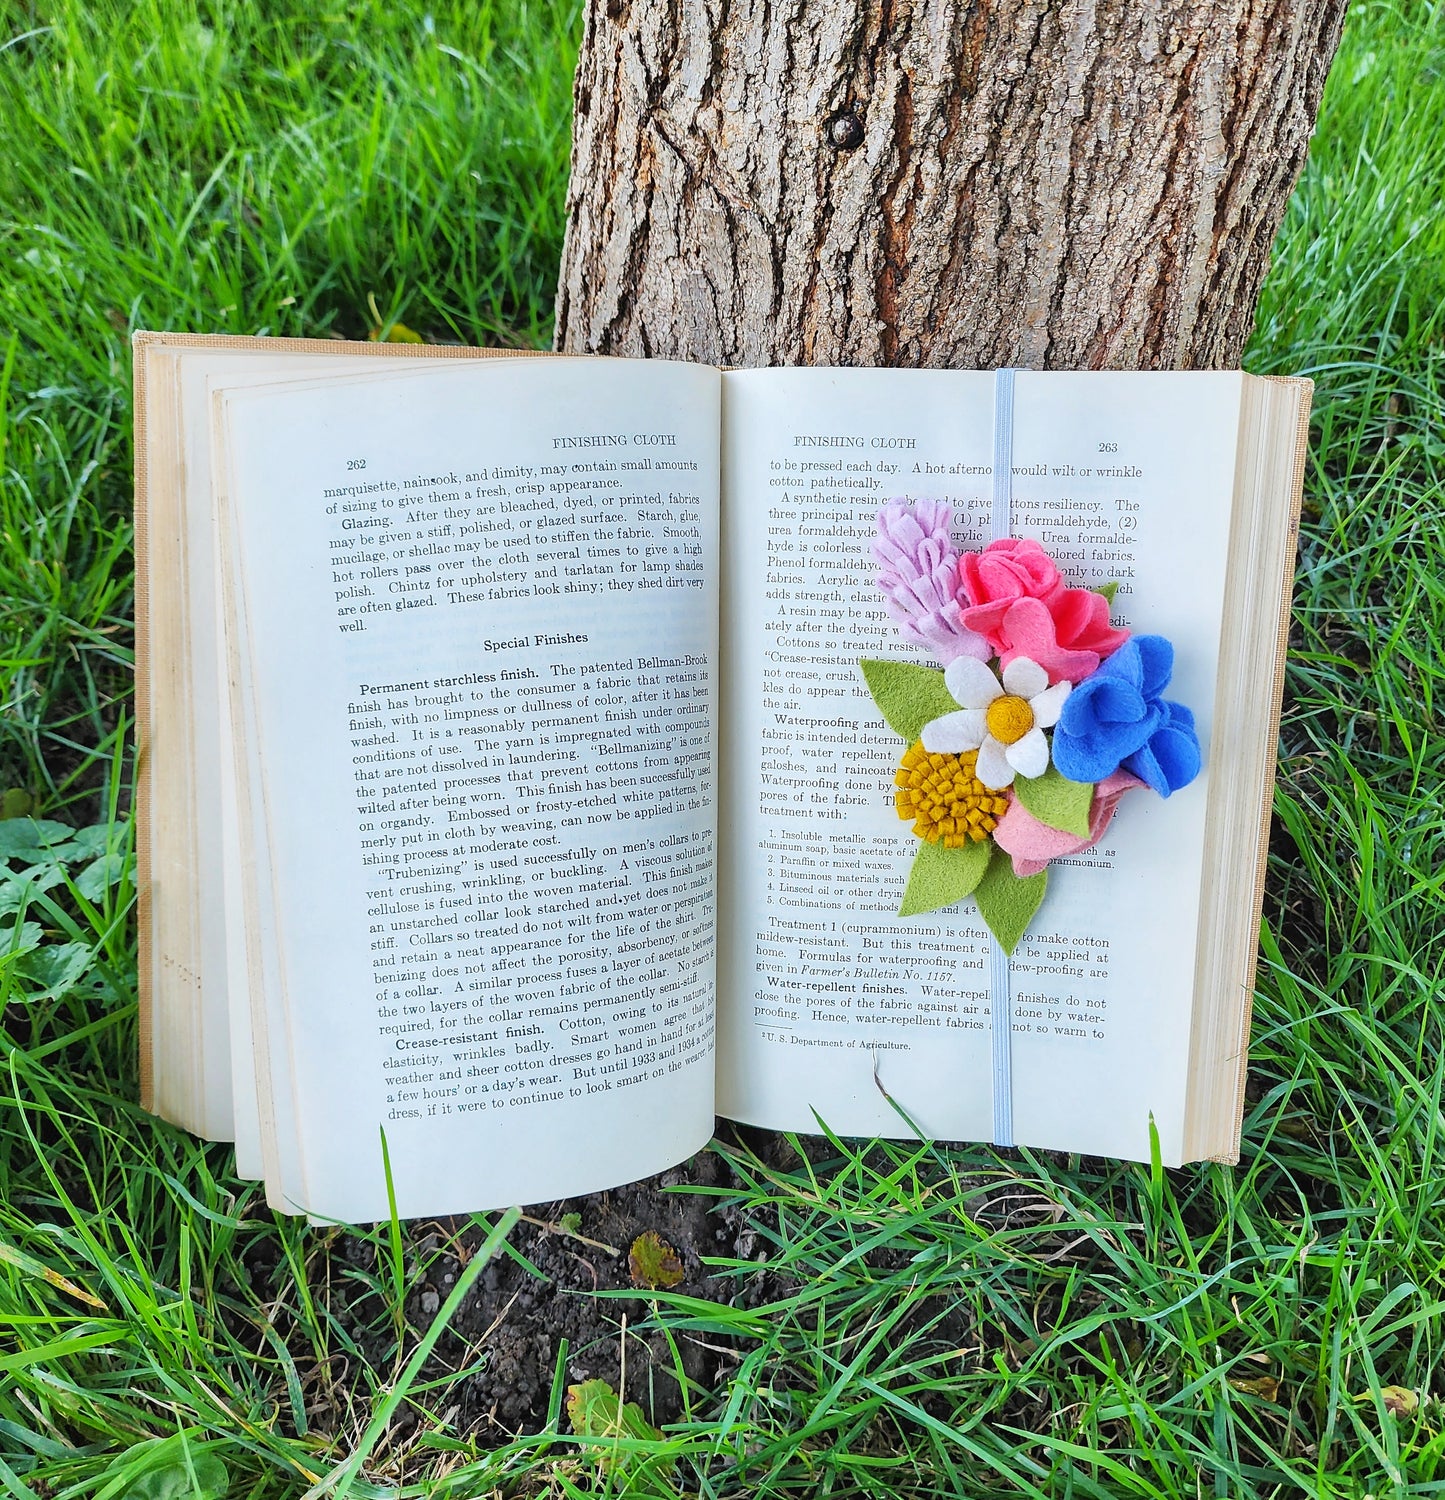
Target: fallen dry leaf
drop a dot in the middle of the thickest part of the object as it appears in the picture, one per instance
(1257, 1385)
(653, 1262)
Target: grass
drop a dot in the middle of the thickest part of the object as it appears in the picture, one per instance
(946, 1322)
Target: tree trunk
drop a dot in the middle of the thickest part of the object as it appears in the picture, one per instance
(964, 183)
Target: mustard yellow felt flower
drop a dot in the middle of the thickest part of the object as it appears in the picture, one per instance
(943, 798)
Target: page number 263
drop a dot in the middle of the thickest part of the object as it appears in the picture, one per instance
(1108, 447)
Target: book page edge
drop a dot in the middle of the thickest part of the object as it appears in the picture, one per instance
(142, 370)
(1229, 1155)
(145, 958)
(1306, 389)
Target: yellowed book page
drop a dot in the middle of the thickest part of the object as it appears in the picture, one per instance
(187, 1050)
(482, 618)
(225, 1013)
(823, 988)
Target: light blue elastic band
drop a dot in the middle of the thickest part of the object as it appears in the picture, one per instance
(1003, 454)
(1000, 983)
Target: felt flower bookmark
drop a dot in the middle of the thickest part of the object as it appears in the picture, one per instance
(1040, 716)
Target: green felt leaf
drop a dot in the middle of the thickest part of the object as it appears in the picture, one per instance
(1053, 799)
(907, 696)
(940, 876)
(1108, 590)
(1007, 903)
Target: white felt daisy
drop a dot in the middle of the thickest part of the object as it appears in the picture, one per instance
(1004, 722)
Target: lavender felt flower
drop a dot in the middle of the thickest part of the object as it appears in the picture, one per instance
(1117, 718)
(918, 574)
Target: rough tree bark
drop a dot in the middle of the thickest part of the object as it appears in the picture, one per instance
(964, 183)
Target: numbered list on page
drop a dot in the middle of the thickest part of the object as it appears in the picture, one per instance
(824, 980)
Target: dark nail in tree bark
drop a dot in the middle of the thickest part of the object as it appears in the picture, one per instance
(934, 183)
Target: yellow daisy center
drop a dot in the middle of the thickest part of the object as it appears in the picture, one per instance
(944, 799)
(1009, 719)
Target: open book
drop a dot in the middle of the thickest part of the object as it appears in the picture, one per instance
(509, 784)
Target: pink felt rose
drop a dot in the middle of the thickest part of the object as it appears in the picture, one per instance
(1033, 844)
(1068, 635)
(1007, 570)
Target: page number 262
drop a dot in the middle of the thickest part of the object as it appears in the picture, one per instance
(355, 463)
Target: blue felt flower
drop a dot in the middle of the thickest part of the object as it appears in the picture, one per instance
(1117, 718)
